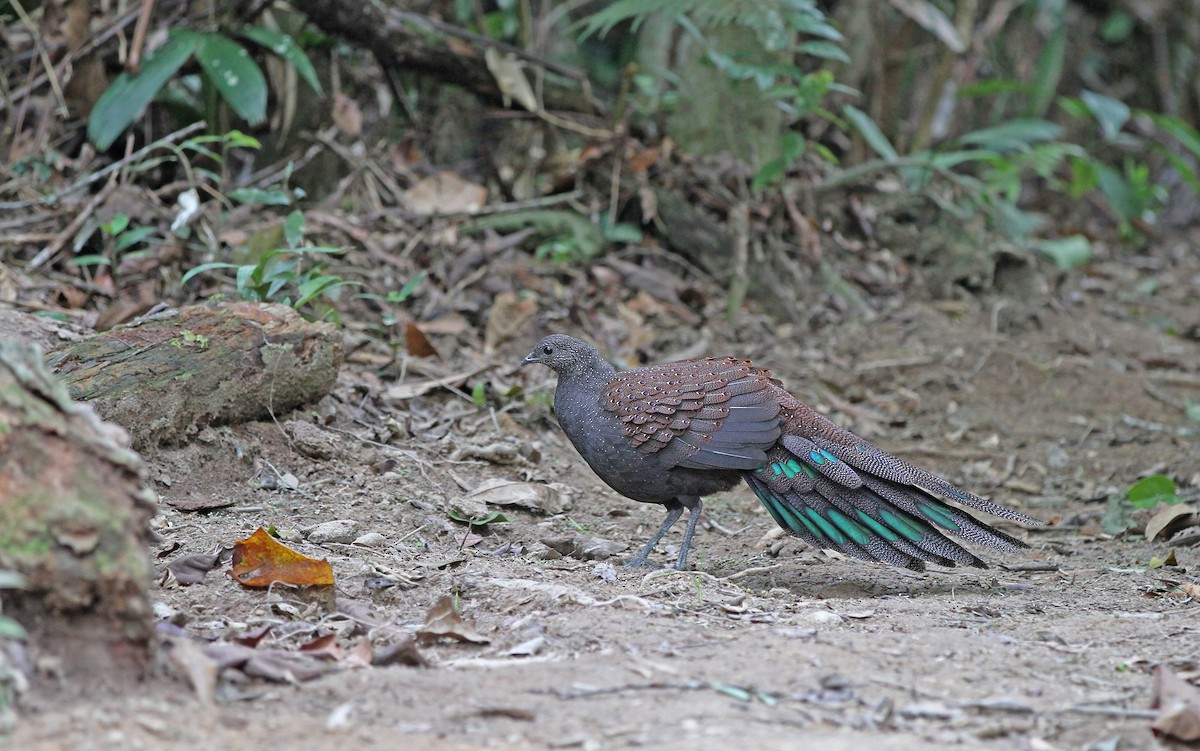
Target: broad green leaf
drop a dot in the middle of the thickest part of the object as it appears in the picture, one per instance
(270, 197)
(133, 237)
(235, 75)
(1117, 517)
(117, 225)
(1112, 114)
(1014, 135)
(284, 46)
(1149, 491)
(125, 99)
(293, 229)
(1118, 191)
(871, 133)
(1068, 252)
(10, 629)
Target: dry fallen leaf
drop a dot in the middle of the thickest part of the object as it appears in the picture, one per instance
(190, 569)
(584, 547)
(510, 78)
(550, 499)
(1169, 519)
(444, 193)
(1178, 703)
(418, 344)
(443, 620)
(506, 317)
(260, 561)
(346, 115)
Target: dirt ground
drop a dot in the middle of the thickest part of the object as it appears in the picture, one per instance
(1049, 406)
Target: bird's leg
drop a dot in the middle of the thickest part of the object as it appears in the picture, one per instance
(693, 504)
(674, 511)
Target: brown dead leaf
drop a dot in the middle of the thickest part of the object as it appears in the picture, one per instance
(190, 569)
(346, 115)
(252, 637)
(445, 193)
(260, 561)
(1178, 703)
(443, 620)
(1192, 590)
(1170, 519)
(451, 324)
(585, 548)
(549, 499)
(324, 648)
(418, 344)
(403, 652)
(644, 160)
(506, 317)
(198, 668)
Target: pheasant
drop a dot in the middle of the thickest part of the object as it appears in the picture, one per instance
(671, 434)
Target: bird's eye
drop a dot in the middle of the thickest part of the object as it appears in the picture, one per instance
(547, 350)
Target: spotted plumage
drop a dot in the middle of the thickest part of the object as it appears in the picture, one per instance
(673, 433)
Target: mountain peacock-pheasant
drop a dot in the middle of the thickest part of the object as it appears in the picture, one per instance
(673, 433)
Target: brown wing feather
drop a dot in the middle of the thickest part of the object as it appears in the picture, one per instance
(711, 413)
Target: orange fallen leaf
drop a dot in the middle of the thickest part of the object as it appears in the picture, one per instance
(260, 561)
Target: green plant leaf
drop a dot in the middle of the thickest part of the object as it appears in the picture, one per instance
(1118, 191)
(91, 259)
(1014, 135)
(871, 133)
(10, 629)
(1188, 136)
(1192, 410)
(1117, 517)
(1112, 114)
(1047, 73)
(406, 291)
(205, 267)
(116, 226)
(824, 50)
(133, 237)
(293, 229)
(1067, 252)
(123, 101)
(285, 47)
(268, 197)
(235, 75)
(479, 394)
(1150, 491)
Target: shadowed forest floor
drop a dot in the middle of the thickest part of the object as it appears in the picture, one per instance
(1049, 407)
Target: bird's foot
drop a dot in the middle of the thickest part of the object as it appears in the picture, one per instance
(641, 561)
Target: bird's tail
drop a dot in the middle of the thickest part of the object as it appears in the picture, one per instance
(867, 516)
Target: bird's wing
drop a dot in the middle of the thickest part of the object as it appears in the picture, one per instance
(715, 413)
(839, 491)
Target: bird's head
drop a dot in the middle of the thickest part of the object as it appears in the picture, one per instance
(562, 354)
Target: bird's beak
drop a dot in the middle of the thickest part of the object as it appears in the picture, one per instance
(531, 358)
